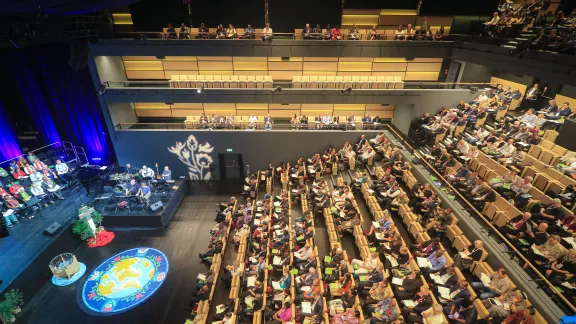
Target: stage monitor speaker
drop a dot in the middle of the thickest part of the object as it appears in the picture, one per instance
(53, 229)
(566, 136)
(157, 205)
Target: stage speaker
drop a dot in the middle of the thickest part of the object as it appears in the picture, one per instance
(53, 229)
(157, 205)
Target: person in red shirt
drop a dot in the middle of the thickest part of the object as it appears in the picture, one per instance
(19, 174)
(335, 33)
(14, 188)
(3, 192)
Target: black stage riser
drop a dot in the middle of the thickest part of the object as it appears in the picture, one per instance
(137, 219)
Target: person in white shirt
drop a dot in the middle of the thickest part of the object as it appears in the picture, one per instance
(363, 267)
(38, 191)
(529, 117)
(62, 170)
(507, 150)
(367, 155)
(267, 33)
(36, 177)
(463, 147)
(231, 32)
(399, 33)
(252, 121)
(146, 172)
(482, 97)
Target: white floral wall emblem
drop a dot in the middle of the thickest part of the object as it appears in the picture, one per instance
(195, 156)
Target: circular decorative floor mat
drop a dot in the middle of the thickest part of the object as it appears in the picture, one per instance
(125, 280)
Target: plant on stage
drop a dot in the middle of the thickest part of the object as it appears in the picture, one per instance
(16, 298)
(82, 228)
(196, 156)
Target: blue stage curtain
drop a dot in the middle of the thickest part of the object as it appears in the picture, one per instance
(32, 94)
(9, 147)
(72, 100)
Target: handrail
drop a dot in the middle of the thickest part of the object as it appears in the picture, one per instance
(35, 150)
(495, 230)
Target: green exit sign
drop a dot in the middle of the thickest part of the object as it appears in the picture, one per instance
(228, 150)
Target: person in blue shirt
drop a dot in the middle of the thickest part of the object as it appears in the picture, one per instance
(437, 261)
(166, 174)
(144, 191)
(286, 280)
(565, 111)
(249, 32)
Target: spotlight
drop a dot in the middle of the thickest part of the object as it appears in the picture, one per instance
(347, 90)
(277, 89)
(200, 89)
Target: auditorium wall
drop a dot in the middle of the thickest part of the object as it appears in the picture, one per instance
(258, 148)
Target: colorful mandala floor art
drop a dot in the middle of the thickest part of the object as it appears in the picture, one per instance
(125, 280)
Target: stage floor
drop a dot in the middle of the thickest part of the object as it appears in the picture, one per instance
(187, 235)
(26, 241)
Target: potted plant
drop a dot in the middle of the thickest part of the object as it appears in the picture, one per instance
(6, 311)
(82, 228)
(15, 298)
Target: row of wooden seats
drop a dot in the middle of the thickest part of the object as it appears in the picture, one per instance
(204, 306)
(220, 81)
(343, 82)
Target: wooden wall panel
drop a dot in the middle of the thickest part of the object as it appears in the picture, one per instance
(145, 75)
(214, 58)
(400, 66)
(282, 59)
(253, 106)
(192, 105)
(355, 73)
(180, 65)
(223, 72)
(249, 58)
(349, 107)
(151, 105)
(427, 60)
(355, 59)
(321, 66)
(215, 65)
(250, 66)
(422, 76)
(284, 75)
(295, 106)
(424, 67)
(381, 113)
(285, 66)
(250, 72)
(402, 75)
(284, 112)
(139, 58)
(361, 20)
(181, 58)
(212, 106)
(354, 66)
(153, 112)
(143, 65)
(320, 73)
(186, 112)
(249, 112)
(320, 59)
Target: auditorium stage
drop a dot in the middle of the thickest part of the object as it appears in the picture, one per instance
(140, 218)
(187, 236)
(26, 242)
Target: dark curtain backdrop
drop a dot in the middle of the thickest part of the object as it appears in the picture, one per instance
(9, 147)
(62, 101)
(153, 15)
(285, 16)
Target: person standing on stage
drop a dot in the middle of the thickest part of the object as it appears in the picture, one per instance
(166, 174)
(62, 170)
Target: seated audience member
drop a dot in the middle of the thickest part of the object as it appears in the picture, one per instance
(203, 32)
(439, 34)
(171, 32)
(307, 32)
(366, 266)
(463, 312)
(231, 32)
(464, 259)
(384, 311)
(563, 267)
(517, 225)
(409, 32)
(317, 32)
(63, 171)
(234, 270)
(267, 33)
(220, 32)
(184, 32)
(431, 316)
(283, 315)
(499, 285)
(399, 34)
(335, 33)
(548, 252)
(422, 301)
(373, 34)
(409, 287)
(353, 33)
(511, 302)
(248, 32)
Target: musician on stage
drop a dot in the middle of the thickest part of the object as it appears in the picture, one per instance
(147, 173)
(144, 192)
(132, 188)
(166, 174)
(62, 170)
